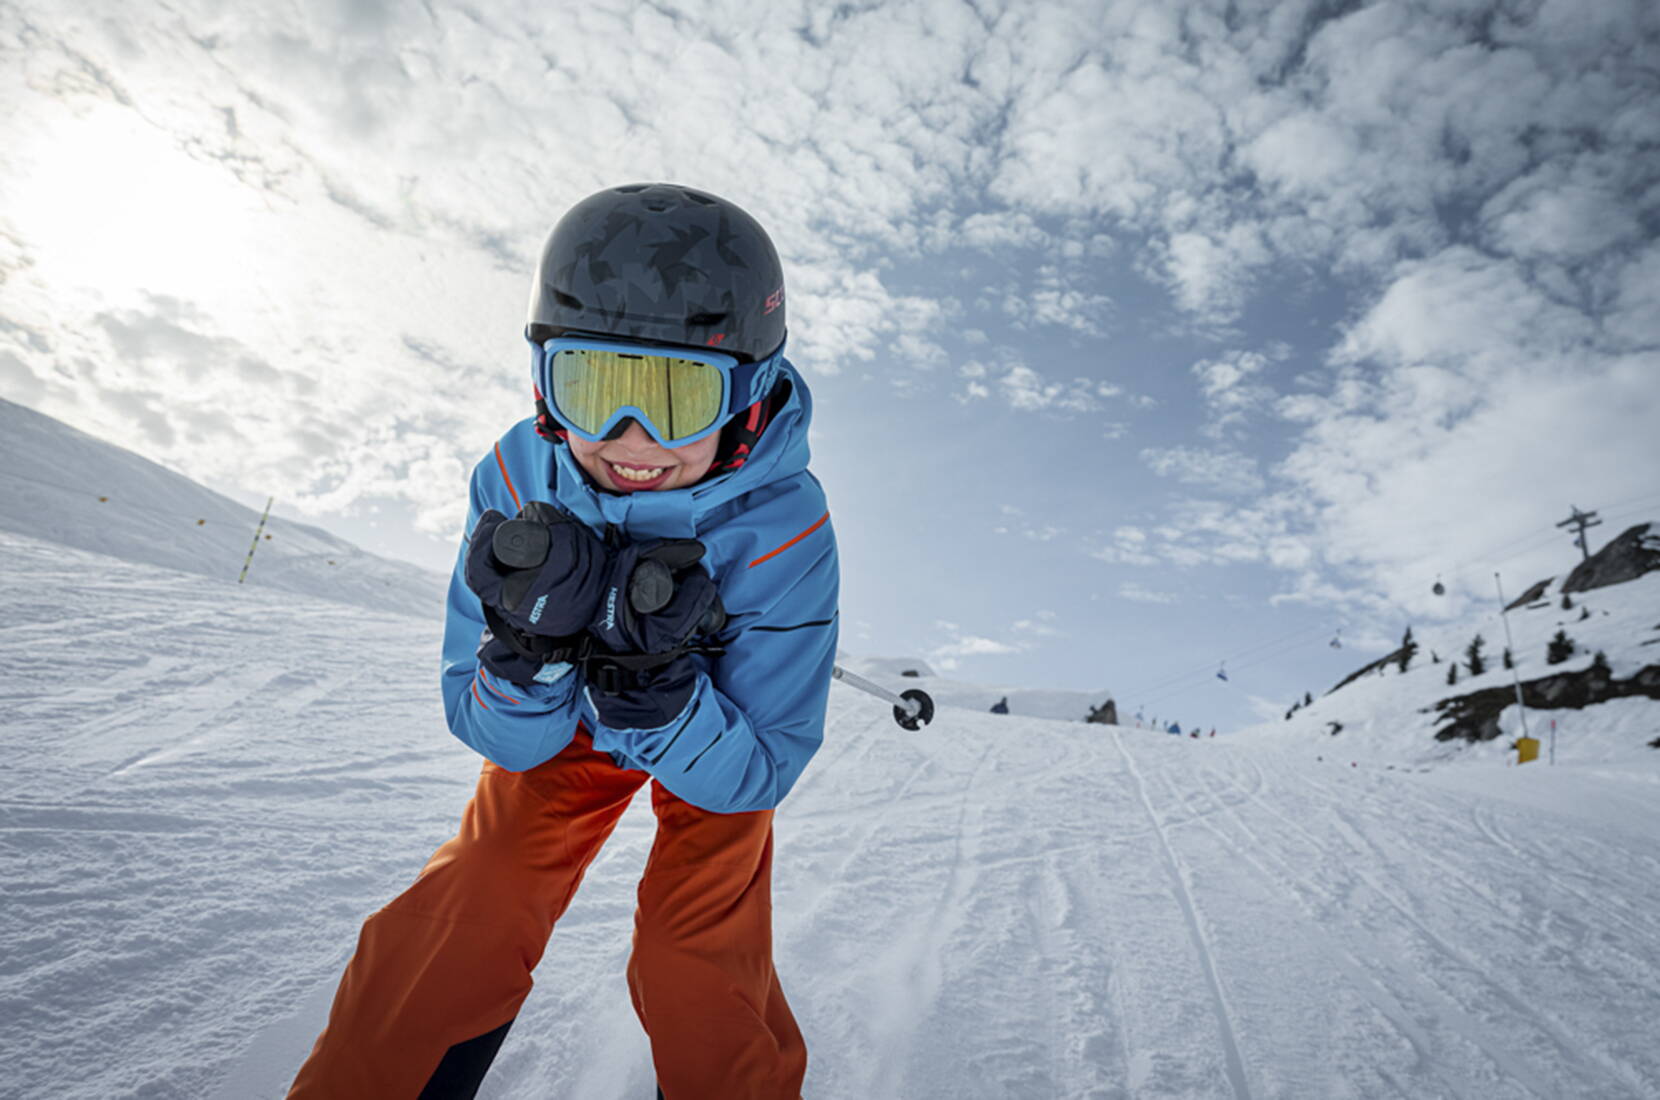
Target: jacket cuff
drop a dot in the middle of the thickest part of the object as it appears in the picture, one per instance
(494, 692)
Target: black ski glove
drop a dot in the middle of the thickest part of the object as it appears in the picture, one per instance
(656, 598)
(657, 601)
(646, 698)
(518, 657)
(556, 598)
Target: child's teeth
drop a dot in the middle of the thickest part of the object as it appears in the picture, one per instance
(638, 475)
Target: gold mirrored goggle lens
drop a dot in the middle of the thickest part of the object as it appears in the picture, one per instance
(681, 397)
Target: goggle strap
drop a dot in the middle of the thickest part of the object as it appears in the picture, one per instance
(743, 432)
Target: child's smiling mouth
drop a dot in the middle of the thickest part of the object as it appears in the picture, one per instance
(631, 476)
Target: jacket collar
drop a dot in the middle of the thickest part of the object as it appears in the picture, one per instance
(679, 513)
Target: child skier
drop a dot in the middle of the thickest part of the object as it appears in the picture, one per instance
(662, 609)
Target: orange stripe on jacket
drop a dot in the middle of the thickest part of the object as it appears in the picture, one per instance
(493, 689)
(792, 542)
(507, 479)
(478, 698)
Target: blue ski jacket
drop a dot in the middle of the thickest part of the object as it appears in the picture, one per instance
(757, 714)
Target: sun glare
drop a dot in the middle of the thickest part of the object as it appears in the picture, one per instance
(112, 204)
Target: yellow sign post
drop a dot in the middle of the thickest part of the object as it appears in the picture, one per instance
(1527, 749)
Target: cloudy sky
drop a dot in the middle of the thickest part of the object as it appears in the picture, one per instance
(1145, 335)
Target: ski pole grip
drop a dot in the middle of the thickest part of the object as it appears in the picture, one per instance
(523, 543)
(651, 587)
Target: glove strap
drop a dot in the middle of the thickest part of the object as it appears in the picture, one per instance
(536, 647)
(615, 673)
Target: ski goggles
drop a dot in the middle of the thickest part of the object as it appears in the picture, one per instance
(677, 396)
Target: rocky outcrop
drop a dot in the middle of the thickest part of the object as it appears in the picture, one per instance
(1375, 666)
(1635, 552)
(1475, 717)
(1530, 595)
(1106, 714)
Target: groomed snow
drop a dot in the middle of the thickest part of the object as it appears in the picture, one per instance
(68, 487)
(208, 787)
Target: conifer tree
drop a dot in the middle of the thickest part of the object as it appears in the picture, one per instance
(1584, 613)
(1561, 647)
(1567, 604)
(1434, 657)
(1408, 649)
(1509, 661)
(1308, 699)
(1452, 673)
(1473, 657)
(1599, 664)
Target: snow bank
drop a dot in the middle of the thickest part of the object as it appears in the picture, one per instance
(67, 487)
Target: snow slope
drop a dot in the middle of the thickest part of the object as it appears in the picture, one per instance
(207, 788)
(65, 486)
(1389, 716)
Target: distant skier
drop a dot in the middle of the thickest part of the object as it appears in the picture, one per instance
(664, 613)
(1175, 729)
(1001, 706)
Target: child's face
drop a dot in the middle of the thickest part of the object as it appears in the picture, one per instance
(636, 452)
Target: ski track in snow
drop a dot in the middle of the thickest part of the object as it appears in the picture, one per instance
(207, 790)
(1201, 942)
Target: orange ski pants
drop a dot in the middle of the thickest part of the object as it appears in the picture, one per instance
(440, 973)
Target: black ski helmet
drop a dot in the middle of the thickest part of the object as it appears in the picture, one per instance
(662, 264)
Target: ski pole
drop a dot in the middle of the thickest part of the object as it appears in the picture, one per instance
(912, 709)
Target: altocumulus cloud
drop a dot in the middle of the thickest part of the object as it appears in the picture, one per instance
(1481, 182)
